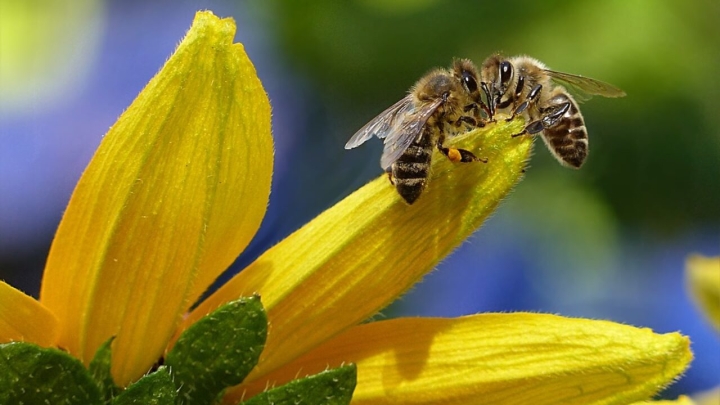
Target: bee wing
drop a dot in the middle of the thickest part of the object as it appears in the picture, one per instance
(584, 87)
(381, 125)
(405, 131)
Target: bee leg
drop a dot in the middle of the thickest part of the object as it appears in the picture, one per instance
(531, 129)
(390, 177)
(458, 155)
(516, 96)
(531, 99)
(551, 116)
(472, 122)
(475, 109)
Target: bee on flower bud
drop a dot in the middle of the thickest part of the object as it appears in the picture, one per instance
(522, 85)
(442, 104)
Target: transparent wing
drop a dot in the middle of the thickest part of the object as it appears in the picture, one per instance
(382, 124)
(583, 88)
(407, 130)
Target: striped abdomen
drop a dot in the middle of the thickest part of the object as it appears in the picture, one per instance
(567, 139)
(410, 172)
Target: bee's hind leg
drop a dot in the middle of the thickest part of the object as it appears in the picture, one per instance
(390, 176)
(551, 116)
(458, 155)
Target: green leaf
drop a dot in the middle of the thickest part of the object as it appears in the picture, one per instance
(100, 371)
(332, 387)
(153, 389)
(30, 374)
(219, 350)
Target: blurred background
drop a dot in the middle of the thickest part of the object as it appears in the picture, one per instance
(606, 242)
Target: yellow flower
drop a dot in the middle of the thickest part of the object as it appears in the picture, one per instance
(178, 188)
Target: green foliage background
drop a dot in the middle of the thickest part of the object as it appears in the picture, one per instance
(655, 155)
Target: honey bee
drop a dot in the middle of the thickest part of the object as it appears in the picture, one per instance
(443, 103)
(523, 85)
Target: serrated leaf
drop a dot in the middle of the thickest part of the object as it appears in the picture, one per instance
(30, 374)
(332, 387)
(100, 370)
(219, 350)
(153, 389)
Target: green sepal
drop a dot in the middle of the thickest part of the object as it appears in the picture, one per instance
(218, 351)
(100, 370)
(331, 387)
(153, 389)
(30, 374)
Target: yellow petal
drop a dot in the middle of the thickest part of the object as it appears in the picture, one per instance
(22, 318)
(703, 279)
(175, 191)
(359, 255)
(504, 359)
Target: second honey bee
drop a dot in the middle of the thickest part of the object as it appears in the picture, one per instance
(523, 85)
(443, 103)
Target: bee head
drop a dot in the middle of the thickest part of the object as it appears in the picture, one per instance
(466, 72)
(498, 73)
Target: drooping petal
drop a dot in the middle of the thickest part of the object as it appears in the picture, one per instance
(489, 359)
(703, 279)
(175, 191)
(22, 318)
(359, 255)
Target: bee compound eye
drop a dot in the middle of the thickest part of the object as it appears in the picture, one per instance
(506, 71)
(470, 82)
